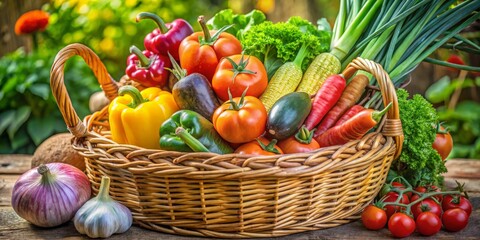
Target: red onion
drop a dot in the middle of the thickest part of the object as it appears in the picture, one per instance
(50, 194)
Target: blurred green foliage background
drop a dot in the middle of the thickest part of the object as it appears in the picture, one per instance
(109, 27)
(28, 111)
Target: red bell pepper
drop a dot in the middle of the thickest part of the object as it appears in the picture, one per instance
(200, 52)
(167, 37)
(147, 68)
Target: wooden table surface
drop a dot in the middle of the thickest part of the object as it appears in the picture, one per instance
(14, 227)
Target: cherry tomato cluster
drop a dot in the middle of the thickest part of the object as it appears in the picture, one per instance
(424, 208)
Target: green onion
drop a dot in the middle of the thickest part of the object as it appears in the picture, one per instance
(447, 64)
(400, 34)
(353, 32)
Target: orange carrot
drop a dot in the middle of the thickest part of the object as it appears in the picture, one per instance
(353, 129)
(349, 114)
(325, 98)
(350, 96)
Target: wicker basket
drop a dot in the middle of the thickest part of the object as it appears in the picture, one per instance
(233, 196)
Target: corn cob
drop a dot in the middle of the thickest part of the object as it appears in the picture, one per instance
(285, 80)
(324, 65)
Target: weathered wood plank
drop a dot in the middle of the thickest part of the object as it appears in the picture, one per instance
(465, 172)
(471, 185)
(6, 186)
(15, 163)
(460, 168)
(13, 227)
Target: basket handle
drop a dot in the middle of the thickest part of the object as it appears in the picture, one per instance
(393, 125)
(109, 86)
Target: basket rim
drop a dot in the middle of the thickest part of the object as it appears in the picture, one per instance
(282, 161)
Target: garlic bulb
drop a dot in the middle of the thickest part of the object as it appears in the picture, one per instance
(101, 216)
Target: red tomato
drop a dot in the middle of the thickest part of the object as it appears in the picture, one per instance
(428, 223)
(420, 189)
(455, 219)
(292, 145)
(248, 72)
(232, 119)
(255, 148)
(401, 225)
(201, 51)
(456, 201)
(392, 197)
(456, 59)
(443, 143)
(374, 218)
(426, 205)
(299, 143)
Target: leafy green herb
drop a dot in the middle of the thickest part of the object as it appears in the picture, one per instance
(277, 43)
(419, 163)
(241, 23)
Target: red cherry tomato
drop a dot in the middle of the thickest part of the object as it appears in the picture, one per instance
(457, 201)
(426, 205)
(401, 225)
(392, 197)
(400, 186)
(374, 218)
(428, 223)
(455, 219)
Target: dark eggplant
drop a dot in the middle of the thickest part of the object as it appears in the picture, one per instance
(194, 92)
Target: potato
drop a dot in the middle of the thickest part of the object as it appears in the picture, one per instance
(58, 148)
(98, 101)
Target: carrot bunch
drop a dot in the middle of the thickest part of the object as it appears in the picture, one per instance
(350, 96)
(336, 116)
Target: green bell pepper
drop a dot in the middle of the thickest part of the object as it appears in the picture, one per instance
(187, 131)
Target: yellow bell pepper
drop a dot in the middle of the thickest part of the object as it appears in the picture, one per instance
(135, 117)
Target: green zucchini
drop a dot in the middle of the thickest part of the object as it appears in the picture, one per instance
(287, 115)
(195, 93)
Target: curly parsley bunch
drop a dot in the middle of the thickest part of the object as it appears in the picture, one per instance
(277, 43)
(419, 163)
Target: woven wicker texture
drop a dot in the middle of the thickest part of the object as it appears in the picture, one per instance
(233, 196)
